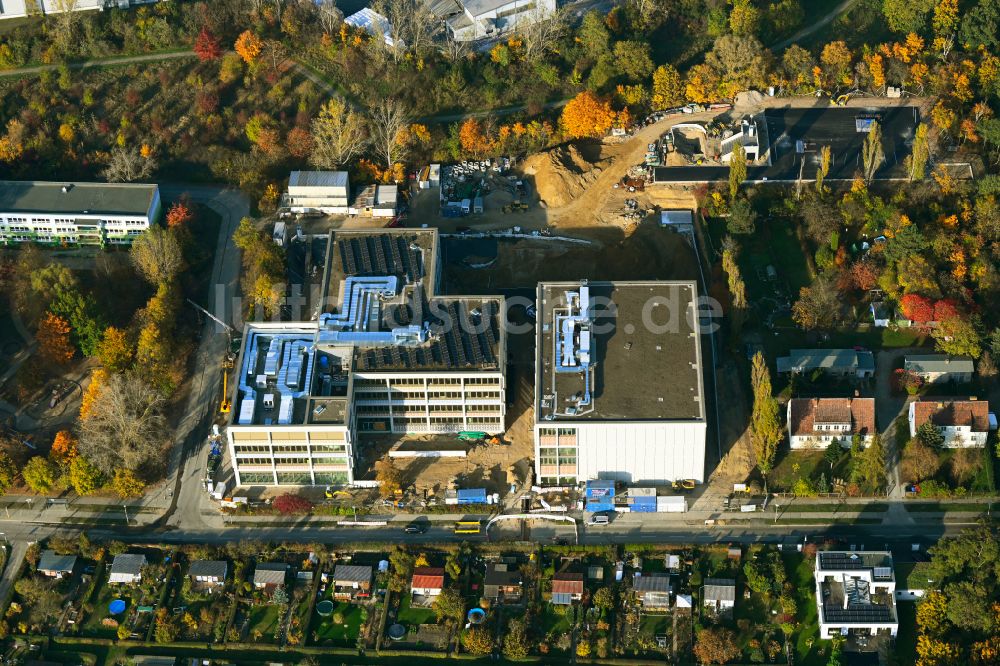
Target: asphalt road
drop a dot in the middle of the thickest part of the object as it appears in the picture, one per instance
(190, 451)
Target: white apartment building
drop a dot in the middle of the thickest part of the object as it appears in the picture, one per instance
(385, 358)
(76, 213)
(962, 423)
(618, 383)
(855, 593)
(317, 192)
(815, 422)
(22, 8)
(469, 20)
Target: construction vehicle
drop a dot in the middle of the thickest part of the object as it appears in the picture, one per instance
(842, 100)
(684, 484)
(232, 350)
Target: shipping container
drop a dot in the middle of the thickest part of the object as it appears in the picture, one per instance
(671, 504)
(472, 496)
(600, 488)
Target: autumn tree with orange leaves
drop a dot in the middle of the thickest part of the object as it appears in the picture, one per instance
(53, 339)
(248, 46)
(473, 138)
(63, 448)
(179, 215)
(587, 116)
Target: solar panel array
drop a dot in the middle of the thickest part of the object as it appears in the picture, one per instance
(465, 338)
(841, 561)
(381, 254)
(867, 613)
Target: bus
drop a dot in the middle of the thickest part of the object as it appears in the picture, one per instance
(469, 527)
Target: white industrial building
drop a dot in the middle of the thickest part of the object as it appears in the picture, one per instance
(618, 383)
(373, 23)
(962, 423)
(76, 213)
(855, 594)
(387, 357)
(22, 8)
(317, 192)
(475, 19)
(815, 422)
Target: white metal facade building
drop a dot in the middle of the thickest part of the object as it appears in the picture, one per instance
(76, 213)
(616, 397)
(317, 191)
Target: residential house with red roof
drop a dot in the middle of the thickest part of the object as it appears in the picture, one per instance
(815, 422)
(427, 581)
(567, 588)
(964, 423)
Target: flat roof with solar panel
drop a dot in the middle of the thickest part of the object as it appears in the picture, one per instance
(855, 589)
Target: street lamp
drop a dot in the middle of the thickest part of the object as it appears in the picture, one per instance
(125, 507)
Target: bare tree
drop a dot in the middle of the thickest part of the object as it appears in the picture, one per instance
(125, 426)
(126, 165)
(388, 120)
(338, 135)
(157, 255)
(412, 26)
(540, 31)
(454, 49)
(330, 15)
(65, 14)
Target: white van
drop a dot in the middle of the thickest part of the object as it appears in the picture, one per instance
(600, 519)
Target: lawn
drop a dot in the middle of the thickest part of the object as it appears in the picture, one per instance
(800, 575)
(263, 621)
(810, 465)
(132, 596)
(345, 632)
(555, 620)
(414, 615)
(653, 625)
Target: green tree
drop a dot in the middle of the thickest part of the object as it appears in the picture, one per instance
(744, 19)
(872, 154)
(515, 642)
(920, 154)
(478, 640)
(40, 474)
(824, 167)
(449, 605)
(737, 169)
(929, 435)
(83, 476)
(907, 15)
(593, 35)
(981, 25)
(633, 59)
(871, 466)
(8, 472)
(604, 598)
(834, 451)
(765, 426)
(959, 336)
(742, 217)
(737, 289)
(668, 88)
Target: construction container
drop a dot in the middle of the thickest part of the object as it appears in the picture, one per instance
(671, 504)
(600, 488)
(472, 496)
(599, 505)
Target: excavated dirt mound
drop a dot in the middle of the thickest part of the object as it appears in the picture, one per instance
(561, 174)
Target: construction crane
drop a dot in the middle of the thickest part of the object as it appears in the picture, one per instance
(226, 405)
